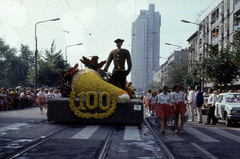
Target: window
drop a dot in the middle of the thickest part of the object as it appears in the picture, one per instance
(214, 16)
(215, 32)
(236, 19)
(220, 99)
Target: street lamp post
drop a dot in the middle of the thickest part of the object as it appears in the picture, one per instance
(36, 51)
(174, 45)
(70, 46)
(203, 54)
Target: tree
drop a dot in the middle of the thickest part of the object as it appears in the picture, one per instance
(221, 66)
(48, 66)
(8, 65)
(152, 86)
(192, 78)
(176, 74)
(26, 64)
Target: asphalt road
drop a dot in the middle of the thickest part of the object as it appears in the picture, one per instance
(203, 141)
(20, 128)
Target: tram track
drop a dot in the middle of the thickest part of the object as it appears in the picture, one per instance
(34, 144)
(165, 148)
(103, 151)
(103, 148)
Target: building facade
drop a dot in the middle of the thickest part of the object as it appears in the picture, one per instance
(192, 50)
(217, 25)
(177, 57)
(145, 47)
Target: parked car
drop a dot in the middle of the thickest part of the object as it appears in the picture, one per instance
(205, 104)
(228, 107)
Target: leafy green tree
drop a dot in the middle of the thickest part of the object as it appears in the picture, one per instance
(49, 63)
(8, 65)
(192, 78)
(176, 74)
(221, 67)
(26, 64)
(152, 86)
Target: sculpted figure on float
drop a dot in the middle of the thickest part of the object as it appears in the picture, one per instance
(86, 83)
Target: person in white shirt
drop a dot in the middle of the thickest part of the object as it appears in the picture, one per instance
(50, 93)
(179, 107)
(57, 94)
(191, 102)
(41, 100)
(46, 100)
(163, 108)
(211, 107)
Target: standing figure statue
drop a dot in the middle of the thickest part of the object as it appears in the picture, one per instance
(119, 56)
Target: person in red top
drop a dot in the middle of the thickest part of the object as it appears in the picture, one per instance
(179, 106)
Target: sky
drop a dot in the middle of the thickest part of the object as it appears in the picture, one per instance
(94, 23)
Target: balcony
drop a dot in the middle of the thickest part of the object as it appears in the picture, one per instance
(236, 4)
(200, 35)
(215, 22)
(215, 40)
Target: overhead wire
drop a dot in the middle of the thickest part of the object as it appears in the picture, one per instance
(84, 28)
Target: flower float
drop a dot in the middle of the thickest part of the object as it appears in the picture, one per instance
(85, 84)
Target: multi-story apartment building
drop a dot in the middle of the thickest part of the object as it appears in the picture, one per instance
(192, 50)
(145, 47)
(218, 23)
(216, 26)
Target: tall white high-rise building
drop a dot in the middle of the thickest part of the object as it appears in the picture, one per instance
(145, 47)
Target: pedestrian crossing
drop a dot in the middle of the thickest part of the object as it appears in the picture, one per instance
(137, 133)
(12, 127)
(86, 132)
(203, 137)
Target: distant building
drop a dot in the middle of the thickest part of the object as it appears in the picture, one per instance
(145, 47)
(177, 57)
(192, 50)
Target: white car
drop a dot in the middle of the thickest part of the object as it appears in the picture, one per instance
(228, 107)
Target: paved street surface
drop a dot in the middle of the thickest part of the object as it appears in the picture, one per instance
(20, 128)
(203, 141)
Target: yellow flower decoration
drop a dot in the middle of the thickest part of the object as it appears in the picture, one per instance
(81, 106)
(88, 80)
(101, 100)
(80, 114)
(95, 101)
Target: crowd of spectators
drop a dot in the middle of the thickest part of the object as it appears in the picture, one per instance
(18, 98)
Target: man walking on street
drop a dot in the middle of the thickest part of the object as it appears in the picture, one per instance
(191, 102)
(199, 102)
(211, 107)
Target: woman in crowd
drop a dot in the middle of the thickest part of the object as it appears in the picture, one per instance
(50, 93)
(9, 102)
(163, 108)
(57, 94)
(46, 100)
(170, 121)
(179, 107)
(153, 99)
(147, 101)
(41, 100)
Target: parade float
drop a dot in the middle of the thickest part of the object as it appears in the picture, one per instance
(90, 98)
